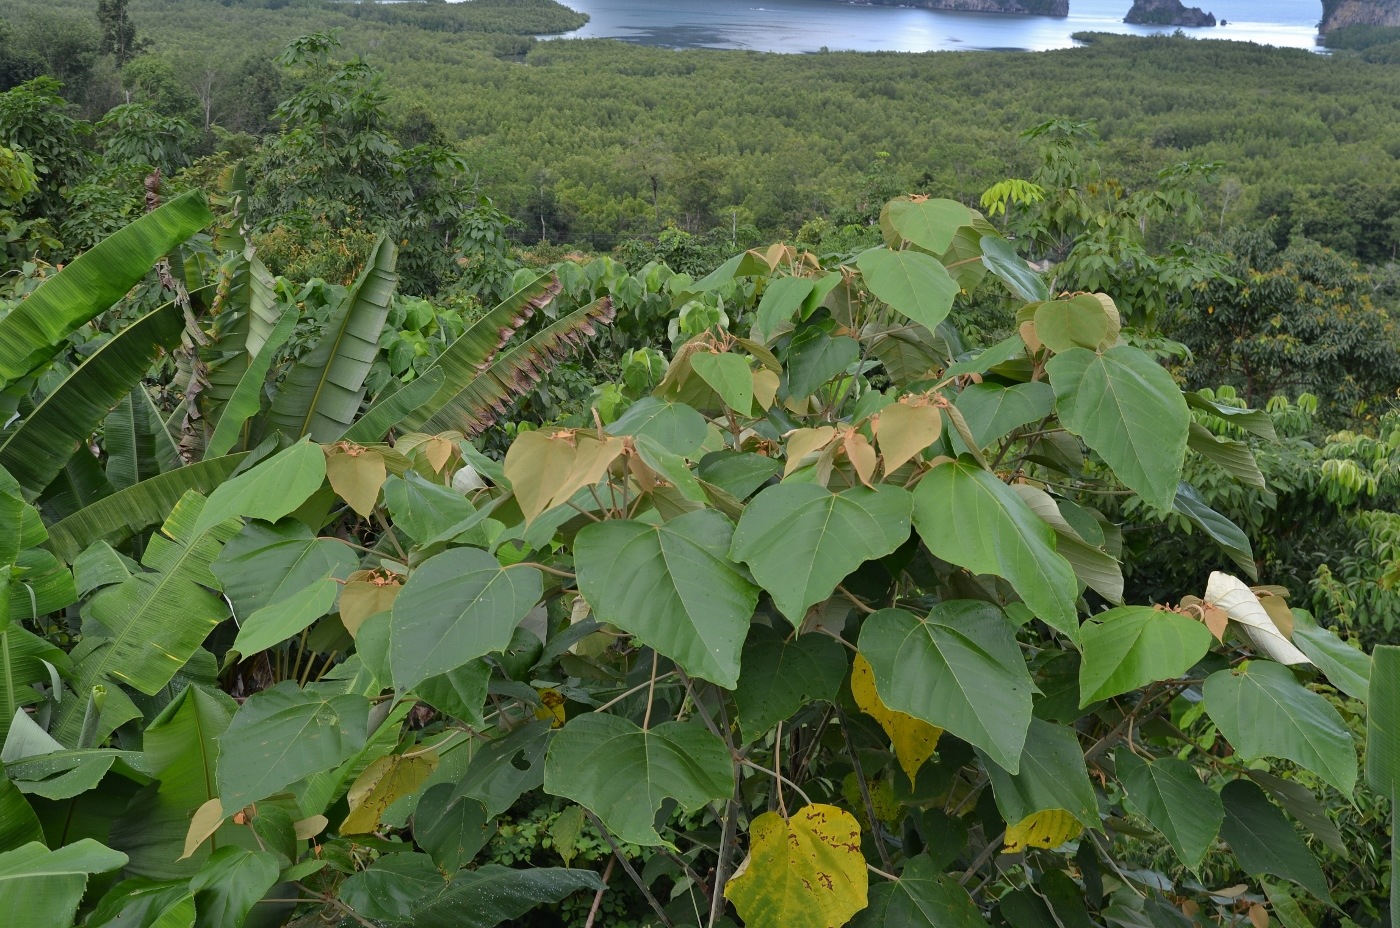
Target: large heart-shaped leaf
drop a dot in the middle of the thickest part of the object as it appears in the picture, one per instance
(457, 606)
(991, 410)
(802, 872)
(1127, 408)
(921, 898)
(1050, 775)
(930, 224)
(1262, 709)
(968, 517)
(729, 376)
(623, 773)
(1265, 842)
(546, 469)
(676, 427)
(913, 283)
(283, 734)
(780, 677)
(1171, 796)
(814, 357)
(781, 299)
(673, 586)
(959, 669)
(230, 884)
(271, 490)
(1131, 646)
(801, 540)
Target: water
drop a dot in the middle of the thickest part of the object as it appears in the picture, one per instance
(796, 26)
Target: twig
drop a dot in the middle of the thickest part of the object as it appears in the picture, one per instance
(636, 689)
(981, 859)
(778, 771)
(393, 539)
(651, 689)
(864, 789)
(598, 896)
(631, 871)
(855, 600)
(879, 872)
(764, 770)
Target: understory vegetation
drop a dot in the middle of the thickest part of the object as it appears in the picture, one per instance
(688, 506)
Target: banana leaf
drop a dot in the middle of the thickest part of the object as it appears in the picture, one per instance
(246, 398)
(138, 446)
(477, 404)
(138, 507)
(322, 395)
(37, 449)
(30, 334)
(246, 321)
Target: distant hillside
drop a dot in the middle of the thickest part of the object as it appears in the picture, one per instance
(1339, 13)
(1167, 13)
(1030, 7)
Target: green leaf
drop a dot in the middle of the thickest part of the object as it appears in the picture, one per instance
(46, 886)
(1127, 408)
(921, 898)
(1050, 775)
(959, 669)
(505, 768)
(422, 508)
(782, 298)
(283, 734)
(18, 823)
(270, 489)
(729, 376)
(1131, 646)
(247, 397)
(968, 517)
(1001, 259)
(675, 426)
(451, 829)
(181, 748)
(228, 886)
(145, 903)
(673, 586)
(1078, 322)
(1170, 795)
(1262, 709)
(623, 773)
(266, 564)
(1383, 722)
(99, 277)
(993, 411)
(143, 630)
(1256, 421)
(987, 358)
(457, 606)
(1265, 842)
(929, 224)
(911, 282)
(286, 617)
(801, 540)
(738, 473)
(780, 677)
(137, 443)
(1233, 457)
(22, 664)
(1231, 539)
(321, 396)
(127, 512)
(408, 889)
(36, 450)
(1346, 667)
(388, 411)
(814, 357)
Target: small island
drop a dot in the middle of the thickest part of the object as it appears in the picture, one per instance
(1167, 13)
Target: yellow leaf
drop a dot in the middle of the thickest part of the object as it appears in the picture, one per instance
(914, 740)
(545, 469)
(862, 456)
(366, 593)
(552, 707)
(206, 820)
(887, 808)
(903, 431)
(803, 442)
(356, 476)
(383, 782)
(806, 872)
(765, 387)
(1048, 828)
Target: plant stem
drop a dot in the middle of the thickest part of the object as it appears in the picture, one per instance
(598, 897)
(864, 789)
(651, 689)
(631, 871)
(636, 689)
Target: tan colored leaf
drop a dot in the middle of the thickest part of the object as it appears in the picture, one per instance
(765, 387)
(1216, 620)
(914, 740)
(382, 783)
(366, 593)
(806, 872)
(205, 821)
(545, 468)
(357, 476)
(1277, 608)
(551, 706)
(309, 828)
(902, 431)
(1259, 916)
(1048, 828)
(1239, 602)
(803, 442)
(862, 456)
(437, 451)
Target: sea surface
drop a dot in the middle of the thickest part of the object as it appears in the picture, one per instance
(798, 26)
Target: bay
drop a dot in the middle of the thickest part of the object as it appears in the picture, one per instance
(803, 26)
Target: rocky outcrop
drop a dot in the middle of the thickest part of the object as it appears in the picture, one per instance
(1027, 7)
(1167, 13)
(1339, 13)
